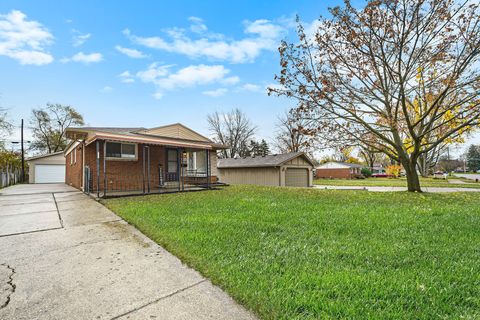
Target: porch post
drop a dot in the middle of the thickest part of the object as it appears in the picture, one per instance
(179, 168)
(97, 143)
(104, 169)
(143, 171)
(148, 168)
(208, 168)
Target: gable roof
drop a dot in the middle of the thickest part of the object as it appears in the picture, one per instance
(44, 156)
(260, 161)
(175, 130)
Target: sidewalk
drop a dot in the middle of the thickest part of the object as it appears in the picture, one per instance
(395, 189)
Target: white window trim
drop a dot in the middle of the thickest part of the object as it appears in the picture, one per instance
(75, 156)
(71, 159)
(123, 159)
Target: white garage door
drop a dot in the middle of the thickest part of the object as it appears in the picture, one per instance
(296, 177)
(49, 173)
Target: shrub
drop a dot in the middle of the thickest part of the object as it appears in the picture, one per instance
(366, 172)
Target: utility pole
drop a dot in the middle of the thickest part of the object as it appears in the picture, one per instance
(23, 153)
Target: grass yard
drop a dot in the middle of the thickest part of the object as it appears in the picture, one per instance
(289, 253)
(399, 182)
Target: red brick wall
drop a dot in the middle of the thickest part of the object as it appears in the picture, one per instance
(333, 173)
(73, 169)
(122, 175)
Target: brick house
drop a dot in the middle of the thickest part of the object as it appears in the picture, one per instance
(338, 170)
(115, 161)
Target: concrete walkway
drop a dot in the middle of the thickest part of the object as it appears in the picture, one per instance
(395, 189)
(471, 176)
(65, 256)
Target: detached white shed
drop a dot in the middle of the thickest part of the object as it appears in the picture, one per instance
(288, 169)
(49, 168)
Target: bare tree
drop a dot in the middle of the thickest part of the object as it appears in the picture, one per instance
(369, 155)
(290, 135)
(428, 161)
(5, 127)
(49, 124)
(233, 129)
(396, 69)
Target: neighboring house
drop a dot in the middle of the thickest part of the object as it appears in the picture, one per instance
(288, 169)
(48, 168)
(378, 168)
(139, 160)
(338, 170)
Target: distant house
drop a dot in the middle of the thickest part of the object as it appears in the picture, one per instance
(289, 169)
(338, 170)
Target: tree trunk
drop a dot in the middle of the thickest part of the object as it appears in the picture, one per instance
(413, 182)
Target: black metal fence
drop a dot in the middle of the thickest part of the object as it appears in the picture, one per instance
(155, 181)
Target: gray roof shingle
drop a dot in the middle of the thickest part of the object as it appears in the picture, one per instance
(259, 161)
(111, 129)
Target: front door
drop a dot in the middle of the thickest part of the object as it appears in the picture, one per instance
(172, 165)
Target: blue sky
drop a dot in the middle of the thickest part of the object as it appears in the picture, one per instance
(148, 63)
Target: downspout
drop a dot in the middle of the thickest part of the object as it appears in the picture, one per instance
(83, 165)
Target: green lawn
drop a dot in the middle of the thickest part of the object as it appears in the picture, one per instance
(399, 182)
(289, 253)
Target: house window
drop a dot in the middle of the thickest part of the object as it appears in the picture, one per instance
(196, 163)
(74, 155)
(71, 158)
(172, 160)
(121, 150)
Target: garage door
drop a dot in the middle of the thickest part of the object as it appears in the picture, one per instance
(49, 173)
(296, 177)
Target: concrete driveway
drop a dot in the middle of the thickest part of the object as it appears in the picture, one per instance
(65, 256)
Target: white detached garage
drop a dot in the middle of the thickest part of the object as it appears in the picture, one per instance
(287, 169)
(49, 168)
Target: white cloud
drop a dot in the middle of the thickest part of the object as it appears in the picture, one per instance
(195, 75)
(231, 80)
(153, 72)
(251, 87)
(132, 53)
(197, 25)
(106, 89)
(84, 58)
(262, 35)
(216, 93)
(78, 39)
(24, 40)
(264, 28)
(126, 77)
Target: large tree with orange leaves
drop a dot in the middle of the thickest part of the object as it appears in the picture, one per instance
(357, 74)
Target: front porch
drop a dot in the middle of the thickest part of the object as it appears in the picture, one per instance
(124, 169)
